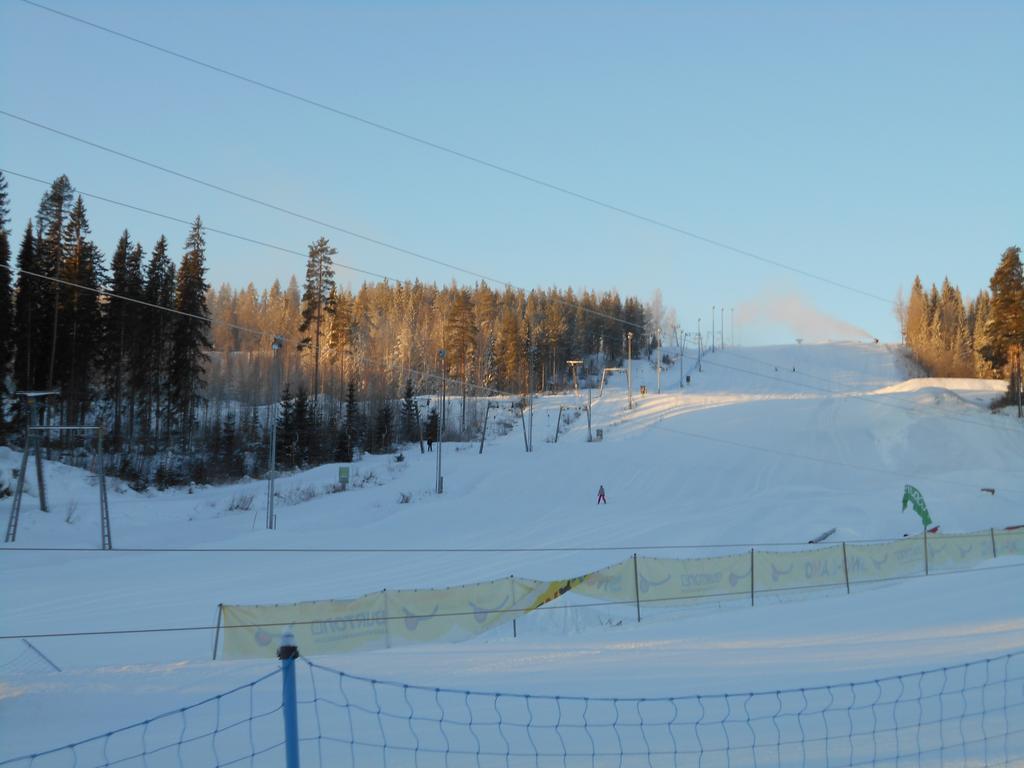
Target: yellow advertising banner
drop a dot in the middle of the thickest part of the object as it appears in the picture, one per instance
(388, 619)
(779, 571)
(614, 584)
(956, 551)
(1010, 542)
(668, 581)
(320, 626)
(383, 619)
(885, 560)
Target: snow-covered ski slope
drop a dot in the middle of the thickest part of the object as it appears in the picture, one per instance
(766, 445)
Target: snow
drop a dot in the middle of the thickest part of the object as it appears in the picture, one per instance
(768, 445)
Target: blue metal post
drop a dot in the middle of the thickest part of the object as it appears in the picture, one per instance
(288, 653)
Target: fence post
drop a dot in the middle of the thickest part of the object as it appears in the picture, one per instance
(992, 533)
(636, 584)
(751, 576)
(558, 424)
(846, 569)
(288, 653)
(926, 551)
(512, 595)
(216, 635)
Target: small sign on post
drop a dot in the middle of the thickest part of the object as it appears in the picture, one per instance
(343, 477)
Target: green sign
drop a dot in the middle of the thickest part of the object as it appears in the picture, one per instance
(913, 497)
(343, 474)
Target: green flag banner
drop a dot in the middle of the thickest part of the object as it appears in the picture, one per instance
(913, 496)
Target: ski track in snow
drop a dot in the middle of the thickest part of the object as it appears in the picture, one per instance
(664, 487)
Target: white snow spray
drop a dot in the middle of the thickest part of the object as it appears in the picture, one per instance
(791, 310)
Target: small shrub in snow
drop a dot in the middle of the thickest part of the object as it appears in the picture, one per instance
(241, 502)
(404, 498)
(69, 515)
(299, 494)
(363, 480)
(399, 457)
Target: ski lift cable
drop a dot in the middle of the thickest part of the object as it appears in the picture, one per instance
(466, 156)
(304, 217)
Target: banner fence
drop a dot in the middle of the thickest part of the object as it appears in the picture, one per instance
(389, 619)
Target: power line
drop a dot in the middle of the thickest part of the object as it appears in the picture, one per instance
(110, 294)
(476, 387)
(518, 611)
(463, 155)
(304, 217)
(490, 390)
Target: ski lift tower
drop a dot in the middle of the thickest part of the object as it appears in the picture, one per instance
(33, 438)
(575, 381)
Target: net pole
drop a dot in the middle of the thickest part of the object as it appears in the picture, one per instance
(287, 653)
(636, 584)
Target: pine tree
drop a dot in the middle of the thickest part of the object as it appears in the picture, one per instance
(410, 414)
(384, 428)
(80, 330)
(353, 422)
(118, 327)
(155, 334)
(31, 307)
(190, 336)
(230, 457)
(51, 220)
(317, 302)
(303, 416)
(1005, 325)
(286, 434)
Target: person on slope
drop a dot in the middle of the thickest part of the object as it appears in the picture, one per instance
(600, 495)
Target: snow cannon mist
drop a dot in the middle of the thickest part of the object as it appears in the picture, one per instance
(802, 319)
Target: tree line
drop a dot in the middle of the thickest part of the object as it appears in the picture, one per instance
(180, 374)
(956, 337)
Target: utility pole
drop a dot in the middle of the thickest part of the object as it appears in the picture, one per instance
(659, 361)
(533, 360)
(723, 329)
(700, 348)
(275, 399)
(732, 326)
(629, 368)
(712, 328)
(440, 428)
(682, 356)
(590, 406)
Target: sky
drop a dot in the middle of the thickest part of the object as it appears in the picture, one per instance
(861, 142)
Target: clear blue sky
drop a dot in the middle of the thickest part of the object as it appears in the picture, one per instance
(862, 141)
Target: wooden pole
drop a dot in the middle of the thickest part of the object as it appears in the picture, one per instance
(636, 584)
(751, 576)
(992, 533)
(926, 551)
(846, 569)
(216, 634)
